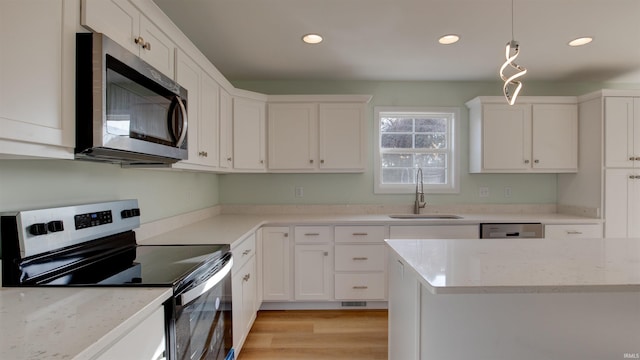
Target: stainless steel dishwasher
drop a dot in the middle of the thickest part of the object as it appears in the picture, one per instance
(511, 230)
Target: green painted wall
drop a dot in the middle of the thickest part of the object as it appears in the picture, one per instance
(28, 184)
(358, 188)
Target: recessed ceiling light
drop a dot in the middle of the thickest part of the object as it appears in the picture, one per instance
(449, 39)
(312, 39)
(580, 41)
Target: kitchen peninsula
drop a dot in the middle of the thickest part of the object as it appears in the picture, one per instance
(514, 299)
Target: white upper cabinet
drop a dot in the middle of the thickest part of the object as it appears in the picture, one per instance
(622, 132)
(293, 136)
(317, 133)
(342, 137)
(123, 22)
(226, 130)
(539, 134)
(37, 78)
(203, 115)
(249, 134)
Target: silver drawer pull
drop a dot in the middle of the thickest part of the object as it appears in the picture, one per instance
(246, 252)
(246, 277)
(360, 287)
(359, 234)
(573, 232)
(360, 258)
(311, 234)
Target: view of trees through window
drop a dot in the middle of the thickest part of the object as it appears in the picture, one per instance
(411, 141)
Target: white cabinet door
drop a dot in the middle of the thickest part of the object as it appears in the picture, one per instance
(276, 263)
(506, 132)
(555, 137)
(158, 49)
(118, 19)
(243, 288)
(248, 134)
(622, 203)
(404, 311)
(342, 137)
(292, 136)
(314, 272)
(209, 121)
(203, 114)
(37, 78)
(226, 130)
(121, 21)
(622, 132)
(188, 76)
(145, 341)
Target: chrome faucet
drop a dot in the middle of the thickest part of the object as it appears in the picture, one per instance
(420, 203)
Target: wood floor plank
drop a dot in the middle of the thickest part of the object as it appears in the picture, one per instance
(317, 335)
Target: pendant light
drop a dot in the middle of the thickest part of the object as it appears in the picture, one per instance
(512, 84)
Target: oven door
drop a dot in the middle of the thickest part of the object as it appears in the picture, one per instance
(202, 323)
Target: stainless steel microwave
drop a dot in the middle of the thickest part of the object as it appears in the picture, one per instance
(127, 112)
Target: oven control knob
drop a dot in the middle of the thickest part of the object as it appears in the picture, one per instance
(38, 229)
(129, 213)
(55, 226)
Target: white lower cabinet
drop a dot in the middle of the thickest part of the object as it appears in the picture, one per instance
(360, 263)
(146, 341)
(276, 264)
(622, 203)
(244, 290)
(404, 311)
(313, 272)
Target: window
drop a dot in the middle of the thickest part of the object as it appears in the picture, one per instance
(412, 138)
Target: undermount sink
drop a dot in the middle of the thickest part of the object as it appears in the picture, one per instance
(425, 216)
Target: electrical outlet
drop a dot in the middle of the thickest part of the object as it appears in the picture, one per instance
(299, 191)
(483, 191)
(507, 192)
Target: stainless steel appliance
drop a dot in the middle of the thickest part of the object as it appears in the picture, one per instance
(127, 112)
(95, 245)
(508, 230)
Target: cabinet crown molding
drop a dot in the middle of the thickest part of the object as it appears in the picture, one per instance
(319, 98)
(523, 100)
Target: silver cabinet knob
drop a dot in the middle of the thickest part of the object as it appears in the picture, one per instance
(536, 161)
(526, 161)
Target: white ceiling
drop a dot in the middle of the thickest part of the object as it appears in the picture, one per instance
(397, 39)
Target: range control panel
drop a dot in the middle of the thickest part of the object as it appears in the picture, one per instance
(51, 229)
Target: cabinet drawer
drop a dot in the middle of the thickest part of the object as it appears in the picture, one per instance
(360, 286)
(359, 234)
(573, 231)
(243, 252)
(313, 234)
(360, 258)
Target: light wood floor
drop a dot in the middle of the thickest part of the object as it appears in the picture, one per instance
(317, 335)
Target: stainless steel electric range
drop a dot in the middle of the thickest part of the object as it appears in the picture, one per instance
(95, 245)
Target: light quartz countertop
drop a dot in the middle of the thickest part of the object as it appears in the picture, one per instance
(227, 228)
(523, 265)
(70, 323)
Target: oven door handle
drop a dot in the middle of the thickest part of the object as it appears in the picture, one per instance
(192, 294)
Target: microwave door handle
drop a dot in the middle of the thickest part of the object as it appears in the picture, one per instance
(192, 294)
(183, 133)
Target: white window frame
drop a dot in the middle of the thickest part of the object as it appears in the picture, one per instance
(453, 170)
